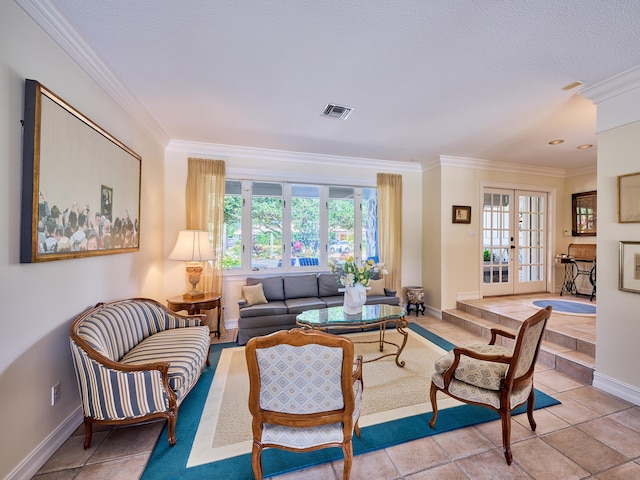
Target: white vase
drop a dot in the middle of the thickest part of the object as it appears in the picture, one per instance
(354, 298)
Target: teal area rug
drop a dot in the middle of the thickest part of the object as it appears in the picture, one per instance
(170, 463)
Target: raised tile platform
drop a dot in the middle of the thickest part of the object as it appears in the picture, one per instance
(568, 344)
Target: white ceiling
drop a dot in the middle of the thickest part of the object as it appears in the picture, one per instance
(468, 78)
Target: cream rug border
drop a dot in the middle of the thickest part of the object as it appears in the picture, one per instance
(202, 451)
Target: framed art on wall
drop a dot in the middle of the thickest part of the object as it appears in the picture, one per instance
(461, 214)
(80, 185)
(629, 280)
(584, 219)
(629, 198)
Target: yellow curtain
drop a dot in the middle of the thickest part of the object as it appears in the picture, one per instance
(205, 211)
(390, 228)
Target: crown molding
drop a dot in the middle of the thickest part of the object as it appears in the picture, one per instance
(612, 87)
(232, 151)
(46, 15)
(478, 164)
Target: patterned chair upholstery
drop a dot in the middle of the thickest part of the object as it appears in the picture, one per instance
(304, 393)
(493, 376)
(135, 360)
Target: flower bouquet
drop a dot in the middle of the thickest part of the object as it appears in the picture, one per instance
(354, 278)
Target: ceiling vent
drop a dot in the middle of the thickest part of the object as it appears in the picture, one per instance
(337, 111)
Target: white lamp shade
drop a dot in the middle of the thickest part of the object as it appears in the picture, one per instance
(192, 246)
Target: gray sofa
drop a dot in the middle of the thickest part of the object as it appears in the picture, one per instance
(290, 294)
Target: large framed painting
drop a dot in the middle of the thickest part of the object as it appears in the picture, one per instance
(80, 185)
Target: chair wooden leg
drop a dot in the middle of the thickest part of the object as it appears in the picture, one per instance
(434, 405)
(505, 416)
(88, 431)
(347, 450)
(530, 404)
(171, 427)
(256, 460)
(357, 428)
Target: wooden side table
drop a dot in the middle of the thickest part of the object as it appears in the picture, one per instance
(197, 305)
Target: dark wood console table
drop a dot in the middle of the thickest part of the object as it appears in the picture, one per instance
(197, 305)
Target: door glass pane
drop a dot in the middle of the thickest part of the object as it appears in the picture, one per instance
(370, 224)
(232, 245)
(266, 225)
(531, 238)
(305, 225)
(341, 223)
(496, 238)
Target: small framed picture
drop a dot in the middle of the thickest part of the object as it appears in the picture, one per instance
(629, 198)
(629, 267)
(461, 214)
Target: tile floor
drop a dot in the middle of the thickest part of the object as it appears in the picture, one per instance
(590, 435)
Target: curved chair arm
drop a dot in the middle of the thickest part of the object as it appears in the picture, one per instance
(459, 351)
(498, 331)
(101, 387)
(357, 372)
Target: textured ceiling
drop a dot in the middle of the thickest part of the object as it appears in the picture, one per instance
(468, 78)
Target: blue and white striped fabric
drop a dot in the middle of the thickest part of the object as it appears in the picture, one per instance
(136, 332)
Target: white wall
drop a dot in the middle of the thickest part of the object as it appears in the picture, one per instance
(618, 325)
(460, 182)
(40, 300)
(287, 166)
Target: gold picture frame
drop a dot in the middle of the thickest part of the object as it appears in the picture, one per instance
(461, 214)
(80, 185)
(629, 279)
(629, 198)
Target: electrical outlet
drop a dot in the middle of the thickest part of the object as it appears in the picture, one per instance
(55, 393)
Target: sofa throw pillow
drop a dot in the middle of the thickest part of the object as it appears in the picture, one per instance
(253, 294)
(377, 287)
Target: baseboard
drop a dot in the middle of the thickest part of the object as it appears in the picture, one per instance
(616, 387)
(468, 296)
(433, 312)
(38, 457)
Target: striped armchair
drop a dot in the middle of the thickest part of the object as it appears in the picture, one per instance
(135, 360)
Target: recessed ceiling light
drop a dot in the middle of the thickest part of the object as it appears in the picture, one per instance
(556, 142)
(572, 85)
(585, 146)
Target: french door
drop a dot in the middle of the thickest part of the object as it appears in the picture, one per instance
(514, 246)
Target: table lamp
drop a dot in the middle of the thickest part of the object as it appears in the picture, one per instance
(192, 247)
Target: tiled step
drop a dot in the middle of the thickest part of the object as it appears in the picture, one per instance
(559, 350)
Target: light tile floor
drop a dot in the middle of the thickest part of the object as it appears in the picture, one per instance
(590, 435)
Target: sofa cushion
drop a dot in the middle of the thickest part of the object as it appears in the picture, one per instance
(271, 286)
(377, 287)
(271, 308)
(184, 348)
(300, 286)
(376, 299)
(328, 285)
(299, 305)
(282, 321)
(254, 294)
(333, 301)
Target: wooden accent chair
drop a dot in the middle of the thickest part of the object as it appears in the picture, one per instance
(493, 376)
(304, 393)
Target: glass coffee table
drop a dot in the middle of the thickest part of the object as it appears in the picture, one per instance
(372, 316)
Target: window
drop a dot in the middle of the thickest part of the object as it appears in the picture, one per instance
(291, 226)
(266, 225)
